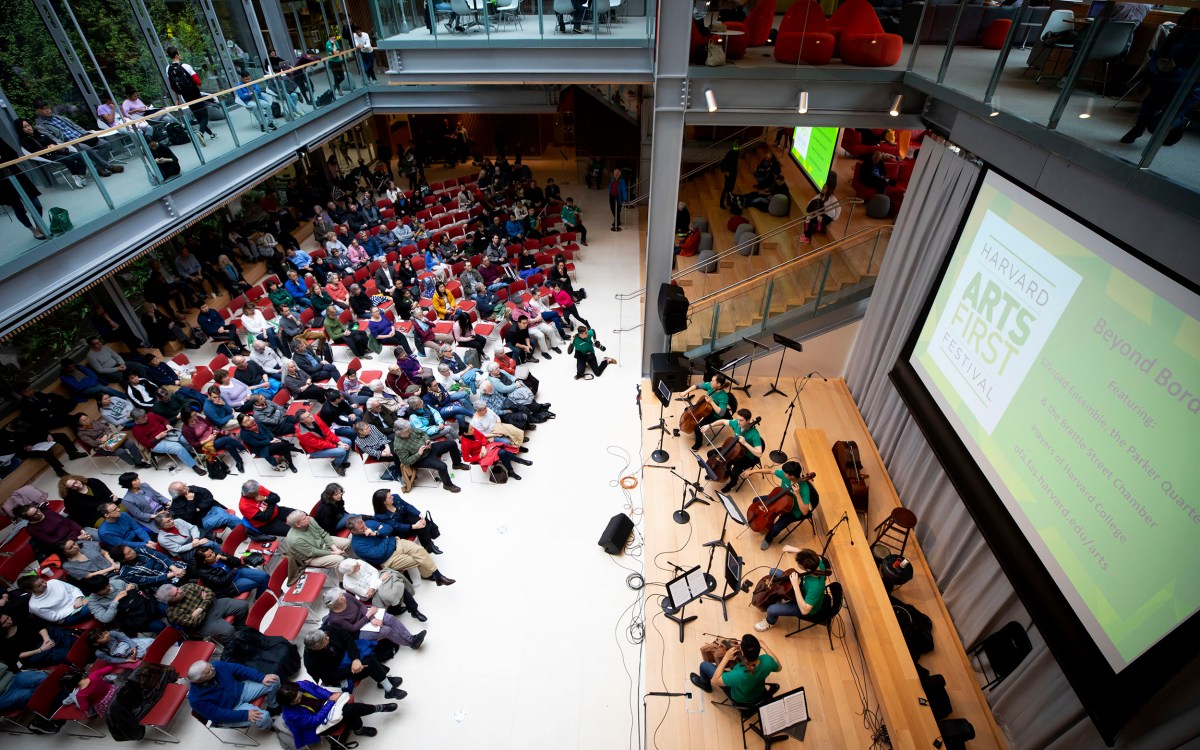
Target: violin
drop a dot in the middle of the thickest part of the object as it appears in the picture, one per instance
(693, 414)
(731, 450)
(765, 512)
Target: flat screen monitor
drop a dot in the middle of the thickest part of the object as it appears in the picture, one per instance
(663, 393)
(733, 568)
(812, 150)
(1057, 376)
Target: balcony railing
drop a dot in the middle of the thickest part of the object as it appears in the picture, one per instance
(513, 23)
(73, 180)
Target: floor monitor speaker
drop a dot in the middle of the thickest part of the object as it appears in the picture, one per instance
(666, 367)
(616, 534)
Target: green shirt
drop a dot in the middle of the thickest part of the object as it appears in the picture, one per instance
(584, 345)
(801, 505)
(813, 589)
(747, 687)
(751, 435)
(719, 397)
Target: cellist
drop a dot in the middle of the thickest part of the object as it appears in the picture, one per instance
(716, 392)
(791, 478)
(748, 436)
(808, 588)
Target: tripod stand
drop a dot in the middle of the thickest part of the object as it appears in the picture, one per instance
(697, 489)
(786, 343)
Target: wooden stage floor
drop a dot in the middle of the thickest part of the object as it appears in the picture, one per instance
(863, 666)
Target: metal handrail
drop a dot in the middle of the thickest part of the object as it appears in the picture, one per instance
(827, 249)
(633, 188)
(128, 124)
(738, 248)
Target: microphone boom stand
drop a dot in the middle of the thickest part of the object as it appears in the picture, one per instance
(777, 455)
(681, 515)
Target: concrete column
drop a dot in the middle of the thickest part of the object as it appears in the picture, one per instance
(670, 103)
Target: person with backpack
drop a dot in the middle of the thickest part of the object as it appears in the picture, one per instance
(185, 82)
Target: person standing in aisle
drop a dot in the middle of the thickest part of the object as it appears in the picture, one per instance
(730, 166)
(618, 194)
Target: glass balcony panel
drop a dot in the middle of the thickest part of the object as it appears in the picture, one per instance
(1178, 157)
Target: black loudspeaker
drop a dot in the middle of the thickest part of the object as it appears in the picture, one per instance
(672, 308)
(956, 733)
(665, 367)
(616, 534)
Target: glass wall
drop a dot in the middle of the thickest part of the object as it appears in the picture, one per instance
(58, 177)
(513, 23)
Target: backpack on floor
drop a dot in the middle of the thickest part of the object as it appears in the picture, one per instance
(276, 109)
(497, 474)
(325, 99)
(177, 135)
(60, 221)
(217, 469)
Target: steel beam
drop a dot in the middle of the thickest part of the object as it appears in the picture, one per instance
(150, 34)
(50, 17)
(272, 15)
(670, 104)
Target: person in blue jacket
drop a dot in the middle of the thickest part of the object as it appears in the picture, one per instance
(618, 194)
(222, 692)
(211, 322)
(306, 706)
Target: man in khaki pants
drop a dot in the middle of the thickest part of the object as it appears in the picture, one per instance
(376, 545)
(308, 545)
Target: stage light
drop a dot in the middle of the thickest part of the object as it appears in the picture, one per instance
(802, 105)
(895, 110)
(711, 99)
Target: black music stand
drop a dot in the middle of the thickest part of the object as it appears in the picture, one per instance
(786, 343)
(697, 489)
(785, 715)
(733, 579)
(749, 363)
(663, 393)
(681, 591)
(731, 511)
(731, 367)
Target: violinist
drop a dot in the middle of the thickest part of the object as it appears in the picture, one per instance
(743, 672)
(790, 477)
(747, 435)
(717, 393)
(808, 588)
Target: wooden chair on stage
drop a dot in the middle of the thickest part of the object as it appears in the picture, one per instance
(748, 713)
(833, 605)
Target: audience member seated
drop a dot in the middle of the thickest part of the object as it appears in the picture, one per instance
(82, 498)
(142, 501)
(373, 541)
(271, 414)
(263, 443)
(209, 442)
(46, 529)
(414, 448)
(25, 642)
(148, 568)
(123, 605)
(227, 575)
(25, 440)
(153, 432)
(309, 545)
(84, 559)
(55, 601)
(333, 656)
(223, 692)
(198, 611)
(351, 615)
(118, 527)
(82, 381)
(261, 510)
(319, 441)
(180, 538)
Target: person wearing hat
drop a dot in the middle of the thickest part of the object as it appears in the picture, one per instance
(60, 130)
(742, 672)
(414, 448)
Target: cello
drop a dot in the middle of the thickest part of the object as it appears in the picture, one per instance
(731, 450)
(764, 513)
(694, 414)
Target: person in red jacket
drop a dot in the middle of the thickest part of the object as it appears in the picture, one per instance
(154, 433)
(318, 441)
(261, 509)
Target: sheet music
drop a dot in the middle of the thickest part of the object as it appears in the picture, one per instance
(788, 711)
(691, 585)
(679, 591)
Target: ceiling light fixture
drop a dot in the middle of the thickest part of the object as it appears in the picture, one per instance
(802, 105)
(711, 99)
(895, 110)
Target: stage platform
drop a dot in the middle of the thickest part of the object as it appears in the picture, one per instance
(869, 662)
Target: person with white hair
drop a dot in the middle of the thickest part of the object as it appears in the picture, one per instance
(308, 545)
(181, 538)
(373, 542)
(428, 420)
(223, 692)
(387, 589)
(368, 622)
(331, 655)
(488, 423)
(268, 359)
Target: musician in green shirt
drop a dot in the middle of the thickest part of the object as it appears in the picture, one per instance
(716, 392)
(742, 672)
(808, 589)
(745, 428)
(791, 478)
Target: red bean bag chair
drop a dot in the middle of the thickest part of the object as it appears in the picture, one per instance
(858, 18)
(735, 222)
(995, 34)
(871, 50)
(804, 35)
(698, 47)
(756, 28)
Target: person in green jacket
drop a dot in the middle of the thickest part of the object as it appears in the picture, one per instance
(742, 672)
(279, 296)
(584, 344)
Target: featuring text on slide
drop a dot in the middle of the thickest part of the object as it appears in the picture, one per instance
(1072, 373)
(812, 150)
